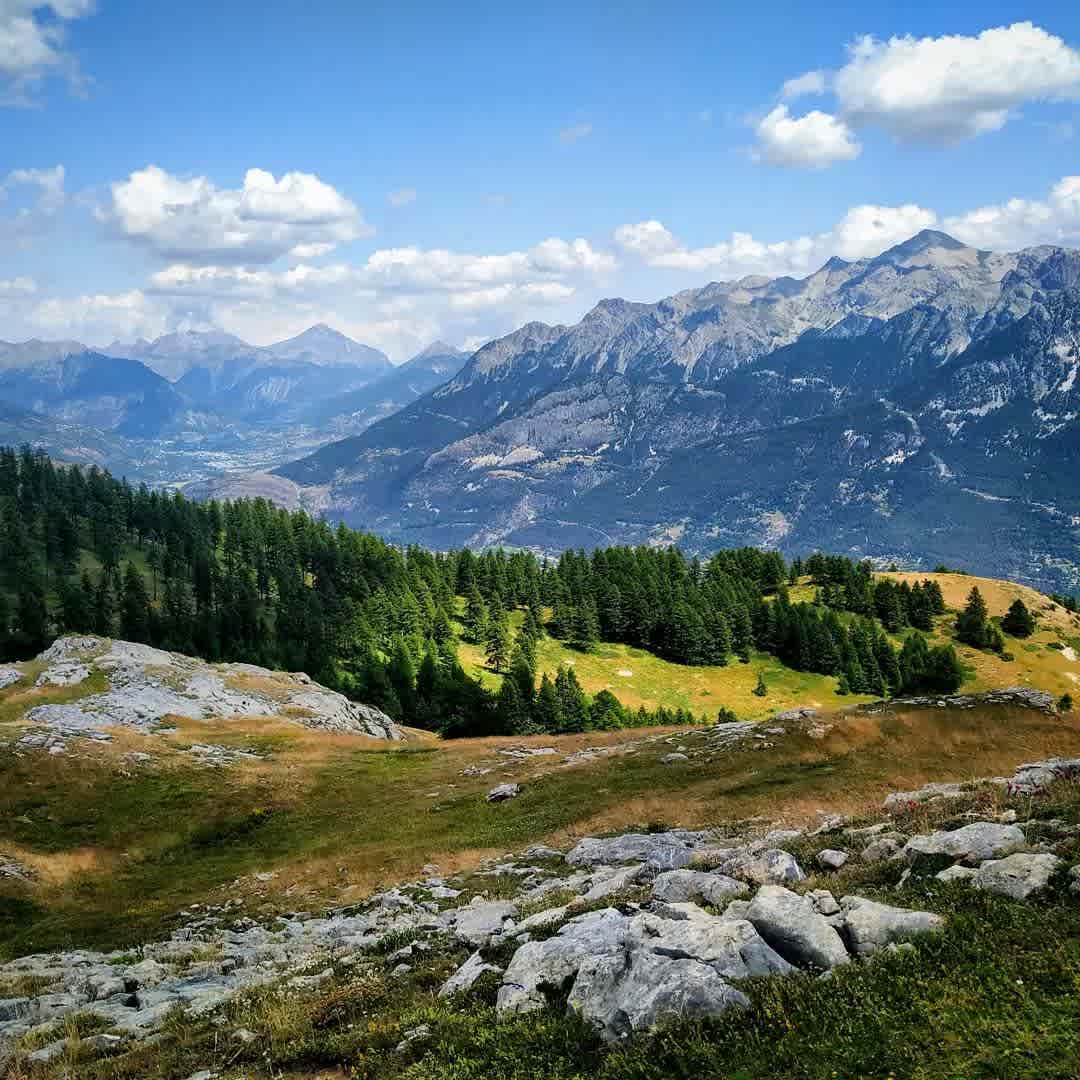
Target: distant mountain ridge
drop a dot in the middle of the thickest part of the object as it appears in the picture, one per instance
(195, 404)
(920, 405)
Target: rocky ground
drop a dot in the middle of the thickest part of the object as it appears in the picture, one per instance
(128, 685)
(627, 933)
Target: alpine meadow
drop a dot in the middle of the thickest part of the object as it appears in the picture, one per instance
(539, 545)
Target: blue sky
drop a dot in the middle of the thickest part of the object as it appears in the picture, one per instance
(452, 170)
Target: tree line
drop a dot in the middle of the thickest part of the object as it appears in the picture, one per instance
(81, 551)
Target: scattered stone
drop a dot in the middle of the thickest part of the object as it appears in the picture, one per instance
(1031, 778)
(769, 867)
(9, 676)
(899, 801)
(831, 859)
(674, 758)
(13, 869)
(824, 902)
(542, 851)
(522, 753)
(480, 920)
(474, 770)
(466, 975)
(1018, 876)
(504, 792)
(870, 926)
(683, 885)
(610, 881)
(793, 927)
(1074, 879)
(958, 872)
(422, 1031)
(659, 851)
(65, 673)
(976, 842)
(48, 1053)
(884, 847)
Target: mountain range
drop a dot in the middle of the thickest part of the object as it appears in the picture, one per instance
(920, 406)
(196, 404)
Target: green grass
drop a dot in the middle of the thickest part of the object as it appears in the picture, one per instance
(996, 996)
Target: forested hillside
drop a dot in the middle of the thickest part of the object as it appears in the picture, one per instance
(83, 552)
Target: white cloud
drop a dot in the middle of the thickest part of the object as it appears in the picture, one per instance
(862, 232)
(196, 221)
(814, 141)
(102, 317)
(402, 197)
(33, 44)
(575, 133)
(38, 195)
(15, 288)
(954, 87)
(1022, 222)
(809, 83)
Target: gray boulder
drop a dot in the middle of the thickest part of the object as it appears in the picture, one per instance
(957, 872)
(9, 676)
(681, 885)
(884, 847)
(870, 926)
(658, 851)
(612, 880)
(624, 993)
(901, 800)
(504, 792)
(769, 867)
(831, 859)
(1074, 879)
(1018, 876)
(793, 927)
(1035, 775)
(480, 920)
(466, 975)
(976, 842)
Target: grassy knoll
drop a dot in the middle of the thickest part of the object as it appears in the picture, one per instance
(996, 996)
(120, 846)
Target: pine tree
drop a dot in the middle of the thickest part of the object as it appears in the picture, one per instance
(476, 618)
(760, 689)
(573, 707)
(104, 606)
(135, 606)
(585, 628)
(972, 625)
(547, 713)
(1018, 621)
(498, 640)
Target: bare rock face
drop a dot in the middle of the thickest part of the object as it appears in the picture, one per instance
(145, 686)
(1018, 875)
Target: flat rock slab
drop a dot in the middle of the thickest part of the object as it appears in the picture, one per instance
(1017, 876)
(676, 886)
(870, 926)
(659, 851)
(976, 842)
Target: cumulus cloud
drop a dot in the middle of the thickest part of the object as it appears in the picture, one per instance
(814, 141)
(954, 87)
(33, 44)
(575, 133)
(194, 220)
(1022, 222)
(809, 83)
(102, 317)
(402, 197)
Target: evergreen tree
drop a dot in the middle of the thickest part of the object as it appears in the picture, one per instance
(104, 606)
(498, 640)
(585, 627)
(476, 618)
(1018, 621)
(135, 606)
(760, 689)
(547, 713)
(973, 626)
(573, 707)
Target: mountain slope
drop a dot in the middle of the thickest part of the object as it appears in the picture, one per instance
(891, 407)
